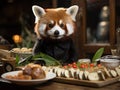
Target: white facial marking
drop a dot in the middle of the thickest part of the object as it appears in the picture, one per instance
(60, 30)
(51, 21)
(60, 21)
(42, 28)
(70, 29)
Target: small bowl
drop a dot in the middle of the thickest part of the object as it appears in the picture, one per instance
(110, 63)
(111, 57)
(84, 60)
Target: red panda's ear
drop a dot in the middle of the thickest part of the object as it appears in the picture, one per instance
(72, 11)
(38, 12)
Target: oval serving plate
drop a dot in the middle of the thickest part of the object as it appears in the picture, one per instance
(49, 76)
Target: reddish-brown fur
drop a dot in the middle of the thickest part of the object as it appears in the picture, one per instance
(55, 15)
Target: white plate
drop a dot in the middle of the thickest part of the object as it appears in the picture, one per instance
(49, 76)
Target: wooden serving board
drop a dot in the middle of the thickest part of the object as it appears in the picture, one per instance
(87, 82)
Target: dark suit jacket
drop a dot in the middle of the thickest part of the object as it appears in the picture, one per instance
(62, 50)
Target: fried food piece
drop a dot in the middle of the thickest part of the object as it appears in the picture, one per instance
(35, 71)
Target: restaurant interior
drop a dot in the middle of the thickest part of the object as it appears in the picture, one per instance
(97, 34)
(16, 16)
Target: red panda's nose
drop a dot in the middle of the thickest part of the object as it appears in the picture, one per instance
(56, 33)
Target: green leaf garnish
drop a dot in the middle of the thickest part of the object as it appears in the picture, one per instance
(17, 60)
(50, 61)
(25, 60)
(97, 55)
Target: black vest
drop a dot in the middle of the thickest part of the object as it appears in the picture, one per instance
(62, 50)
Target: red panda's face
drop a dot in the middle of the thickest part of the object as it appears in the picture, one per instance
(53, 23)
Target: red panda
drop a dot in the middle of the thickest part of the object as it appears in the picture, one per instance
(53, 28)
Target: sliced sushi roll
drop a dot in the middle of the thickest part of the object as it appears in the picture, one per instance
(72, 72)
(45, 68)
(108, 75)
(76, 74)
(117, 70)
(93, 76)
(101, 75)
(67, 74)
(55, 69)
(50, 70)
(59, 72)
(85, 75)
(63, 72)
(113, 73)
(80, 76)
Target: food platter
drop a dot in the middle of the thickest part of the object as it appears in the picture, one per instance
(86, 82)
(49, 76)
(98, 78)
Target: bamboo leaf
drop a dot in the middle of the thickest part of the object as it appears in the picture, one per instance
(48, 59)
(25, 61)
(17, 59)
(98, 54)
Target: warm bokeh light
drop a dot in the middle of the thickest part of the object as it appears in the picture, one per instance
(17, 38)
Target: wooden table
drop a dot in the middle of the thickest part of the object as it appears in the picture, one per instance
(51, 85)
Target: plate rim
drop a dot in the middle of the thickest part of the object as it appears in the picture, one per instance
(53, 75)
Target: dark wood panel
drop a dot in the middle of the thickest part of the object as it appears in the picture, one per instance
(91, 48)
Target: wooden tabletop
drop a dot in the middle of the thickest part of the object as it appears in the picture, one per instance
(52, 85)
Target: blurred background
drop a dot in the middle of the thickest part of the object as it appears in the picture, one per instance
(97, 23)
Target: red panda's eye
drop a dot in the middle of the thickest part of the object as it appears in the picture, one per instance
(62, 25)
(50, 25)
